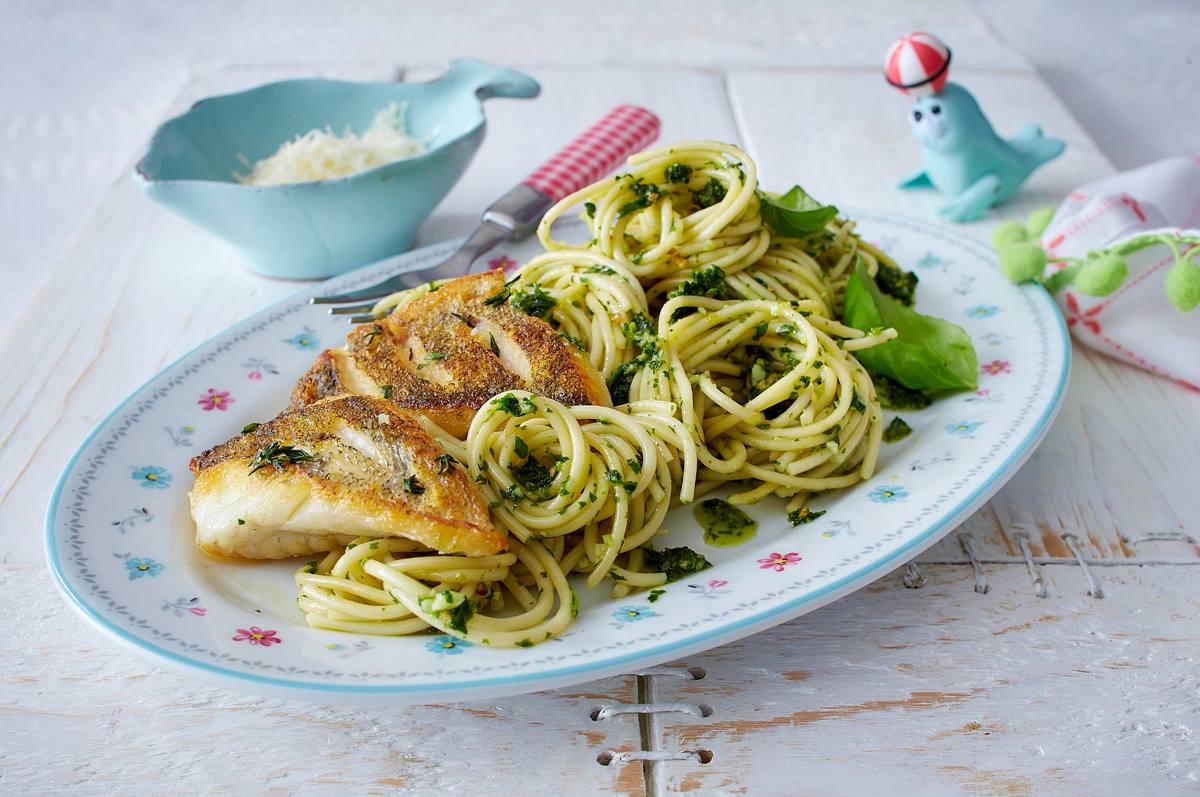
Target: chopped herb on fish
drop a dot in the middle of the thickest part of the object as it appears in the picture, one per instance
(277, 455)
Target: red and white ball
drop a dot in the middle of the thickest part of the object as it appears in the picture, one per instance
(917, 64)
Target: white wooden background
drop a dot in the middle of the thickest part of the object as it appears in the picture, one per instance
(938, 690)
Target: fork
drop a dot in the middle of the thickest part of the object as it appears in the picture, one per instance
(621, 132)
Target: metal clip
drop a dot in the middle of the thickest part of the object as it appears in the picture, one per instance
(1073, 544)
(607, 757)
(648, 710)
(1162, 536)
(968, 545)
(617, 709)
(689, 673)
(913, 578)
(1039, 586)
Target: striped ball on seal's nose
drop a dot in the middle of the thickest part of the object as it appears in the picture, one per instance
(918, 64)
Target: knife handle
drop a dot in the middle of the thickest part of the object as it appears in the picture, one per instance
(620, 133)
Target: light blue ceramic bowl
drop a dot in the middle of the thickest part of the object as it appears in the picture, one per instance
(317, 229)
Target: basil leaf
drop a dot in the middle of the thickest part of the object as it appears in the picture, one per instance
(795, 214)
(928, 353)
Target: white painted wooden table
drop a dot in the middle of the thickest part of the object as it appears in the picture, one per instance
(969, 684)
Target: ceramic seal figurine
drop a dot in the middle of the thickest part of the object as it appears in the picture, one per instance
(961, 154)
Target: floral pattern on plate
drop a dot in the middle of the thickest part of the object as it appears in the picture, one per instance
(140, 566)
(138, 515)
(152, 477)
(713, 588)
(888, 494)
(180, 436)
(184, 606)
(447, 645)
(632, 614)
(258, 636)
(305, 340)
(778, 561)
(257, 367)
(964, 429)
(215, 400)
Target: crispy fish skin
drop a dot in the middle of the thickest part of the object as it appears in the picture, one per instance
(322, 380)
(360, 482)
(446, 352)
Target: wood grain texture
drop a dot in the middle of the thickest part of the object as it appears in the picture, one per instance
(941, 691)
(82, 716)
(933, 691)
(1106, 473)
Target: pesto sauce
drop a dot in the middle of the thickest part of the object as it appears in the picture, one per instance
(724, 524)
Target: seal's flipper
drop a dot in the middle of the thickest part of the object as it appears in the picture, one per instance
(918, 180)
(972, 204)
(1035, 148)
(1029, 132)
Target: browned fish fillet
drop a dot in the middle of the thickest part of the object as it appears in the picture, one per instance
(373, 472)
(448, 351)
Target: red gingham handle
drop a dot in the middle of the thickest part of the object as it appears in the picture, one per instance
(623, 131)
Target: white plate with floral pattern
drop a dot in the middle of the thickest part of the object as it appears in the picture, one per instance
(119, 536)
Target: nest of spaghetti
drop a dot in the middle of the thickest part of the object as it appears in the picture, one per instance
(715, 329)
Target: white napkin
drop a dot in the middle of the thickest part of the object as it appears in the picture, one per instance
(1136, 323)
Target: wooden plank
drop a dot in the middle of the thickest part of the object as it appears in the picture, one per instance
(678, 33)
(1107, 472)
(942, 691)
(104, 721)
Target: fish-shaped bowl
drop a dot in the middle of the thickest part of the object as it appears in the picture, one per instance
(318, 229)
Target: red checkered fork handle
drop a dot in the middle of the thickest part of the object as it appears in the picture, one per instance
(623, 131)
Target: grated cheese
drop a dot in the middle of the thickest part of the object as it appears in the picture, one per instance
(320, 155)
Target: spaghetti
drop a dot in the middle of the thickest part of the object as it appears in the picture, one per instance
(719, 343)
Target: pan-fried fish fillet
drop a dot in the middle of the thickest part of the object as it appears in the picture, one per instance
(373, 472)
(446, 352)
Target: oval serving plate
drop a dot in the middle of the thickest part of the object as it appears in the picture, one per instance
(119, 537)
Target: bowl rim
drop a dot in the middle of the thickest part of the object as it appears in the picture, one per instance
(145, 180)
